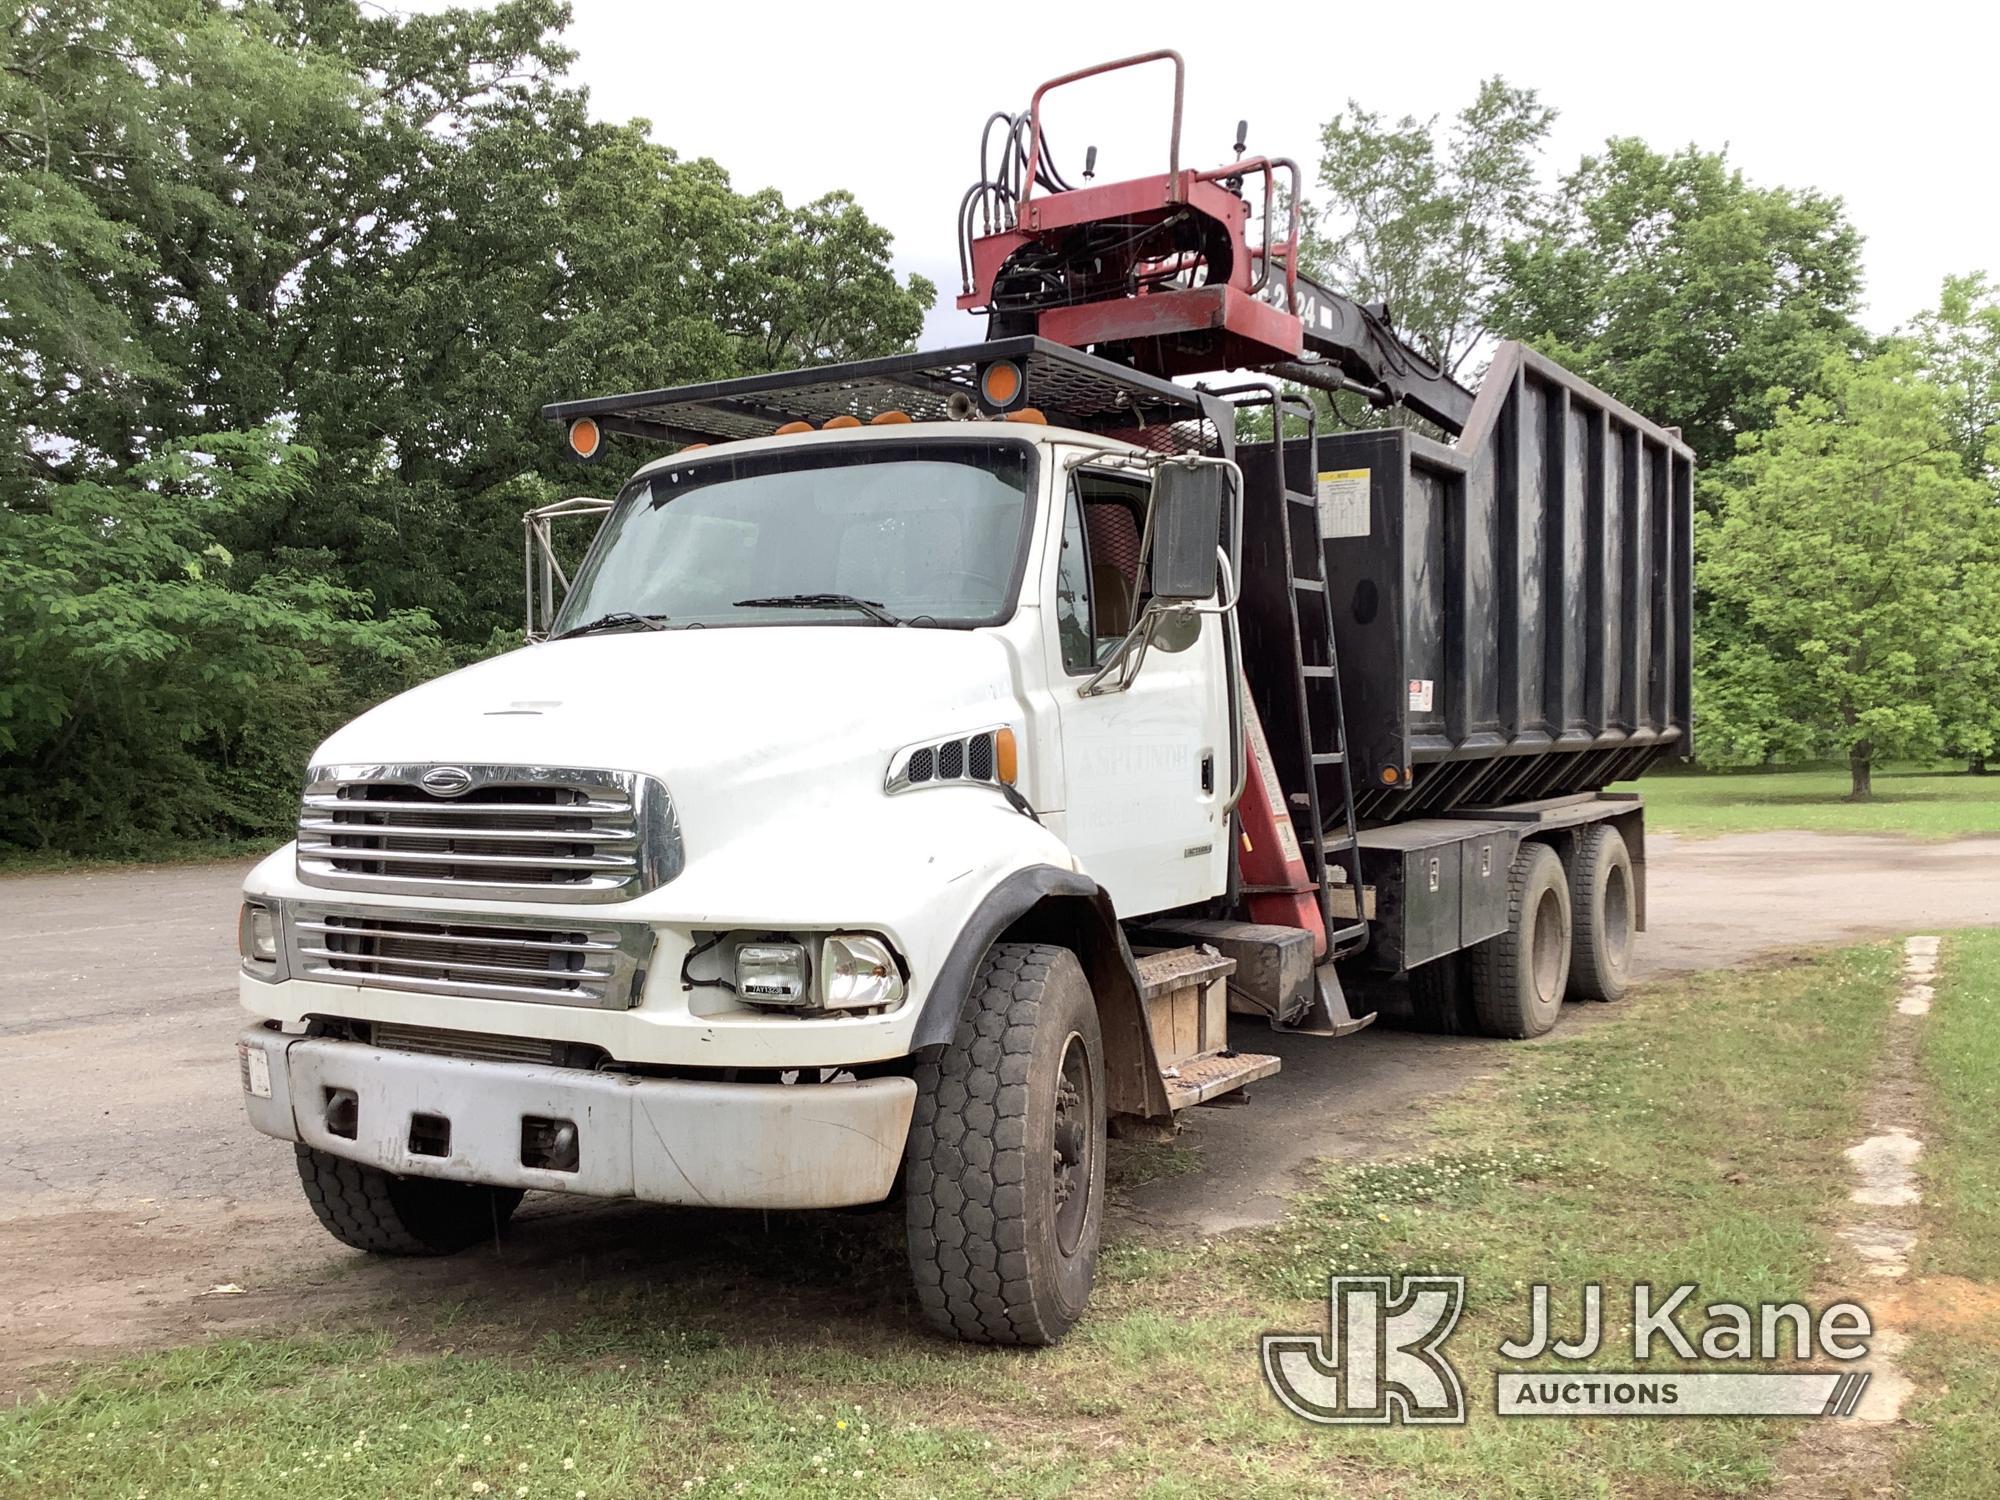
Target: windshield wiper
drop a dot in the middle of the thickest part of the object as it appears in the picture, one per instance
(870, 607)
(618, 619)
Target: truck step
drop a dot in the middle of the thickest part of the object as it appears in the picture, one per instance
(1202, 1078)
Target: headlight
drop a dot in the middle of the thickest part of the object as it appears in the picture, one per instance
(257, 939)
(857, 972)
(772, 973)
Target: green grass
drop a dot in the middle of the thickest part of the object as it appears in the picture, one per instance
(1917, 802)
(1956, 1362)
(1697, 1137)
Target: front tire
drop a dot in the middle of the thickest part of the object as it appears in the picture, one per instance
(1005, 1162)
(1518, 978)
(384, 1214)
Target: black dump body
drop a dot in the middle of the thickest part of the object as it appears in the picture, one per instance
(1512, 612)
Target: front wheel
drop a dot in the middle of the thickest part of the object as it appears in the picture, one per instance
(385, 1214)
(1005, 1163)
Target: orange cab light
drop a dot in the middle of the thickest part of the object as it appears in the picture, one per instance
(692, 447)
(1390, 776)
(1000, 383)
(889, 418)
(1006, 756)
(1031, 414)
(585, 437)
(843, 420)
(791, 427)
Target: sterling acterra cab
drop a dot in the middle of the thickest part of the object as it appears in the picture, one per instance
(930, 759)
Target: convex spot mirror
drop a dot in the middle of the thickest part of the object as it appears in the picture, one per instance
(1187, 524)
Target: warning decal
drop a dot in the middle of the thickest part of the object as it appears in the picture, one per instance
(1343, 502)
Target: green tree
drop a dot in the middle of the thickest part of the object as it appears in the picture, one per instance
(1416, 213)
(1959, 345)
(402, 234)
(147, 690)
(1692, 295)
(394, 237)
(1840, 610)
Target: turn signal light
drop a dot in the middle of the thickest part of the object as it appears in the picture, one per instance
(1006, 756)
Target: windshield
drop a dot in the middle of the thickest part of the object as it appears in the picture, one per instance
(933, 532)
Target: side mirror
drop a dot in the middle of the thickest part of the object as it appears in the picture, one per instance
(1187, 525)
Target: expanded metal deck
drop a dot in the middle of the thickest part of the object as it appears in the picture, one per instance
(1070, 388)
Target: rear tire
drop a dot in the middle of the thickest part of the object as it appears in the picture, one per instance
(1004, 1171)
(1518, 978)
(1601, 899)
(384, 1214)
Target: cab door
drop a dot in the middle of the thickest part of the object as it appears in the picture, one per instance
(1146, 769)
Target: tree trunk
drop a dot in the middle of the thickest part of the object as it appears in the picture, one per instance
(1975, 765)
(1861, 770)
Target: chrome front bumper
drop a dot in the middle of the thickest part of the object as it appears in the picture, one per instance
(684, 1141)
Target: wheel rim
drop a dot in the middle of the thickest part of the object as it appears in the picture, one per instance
(1073, 1161)
(1617, 925)
(1546, 955)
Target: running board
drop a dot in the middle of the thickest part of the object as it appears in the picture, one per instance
(1185, 992)
(1200, 1079)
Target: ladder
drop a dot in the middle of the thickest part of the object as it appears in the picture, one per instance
(1319, 795)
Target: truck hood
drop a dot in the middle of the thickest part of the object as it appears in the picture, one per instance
(741, 724)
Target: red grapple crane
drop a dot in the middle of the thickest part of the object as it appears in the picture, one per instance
(1159, 273)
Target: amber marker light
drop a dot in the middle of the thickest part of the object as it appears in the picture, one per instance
(1000, 384)
(585, 437)
(833, 424)
(1029, 414)
(890, 419)
(1006, 756)
(791, 429)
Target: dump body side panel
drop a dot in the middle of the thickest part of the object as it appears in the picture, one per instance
(1514, 621)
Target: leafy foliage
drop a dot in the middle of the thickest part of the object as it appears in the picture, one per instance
(1844, 596)
(145, 689)
(1685, 291)
(1418, 216)
(393, 237)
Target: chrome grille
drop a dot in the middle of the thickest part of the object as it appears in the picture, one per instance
(494, 832)
(439, 953)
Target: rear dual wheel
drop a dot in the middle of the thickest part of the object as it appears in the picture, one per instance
(1518, 979)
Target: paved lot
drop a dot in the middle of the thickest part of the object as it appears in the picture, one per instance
(130, 1185)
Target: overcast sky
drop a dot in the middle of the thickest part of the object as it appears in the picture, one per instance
(1888, 106)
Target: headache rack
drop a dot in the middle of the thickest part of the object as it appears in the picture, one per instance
(1069, 388)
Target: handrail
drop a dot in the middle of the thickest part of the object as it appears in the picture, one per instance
(1268, 165)
(1165, 54)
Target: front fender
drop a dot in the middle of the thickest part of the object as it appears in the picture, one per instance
(1044, 903)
